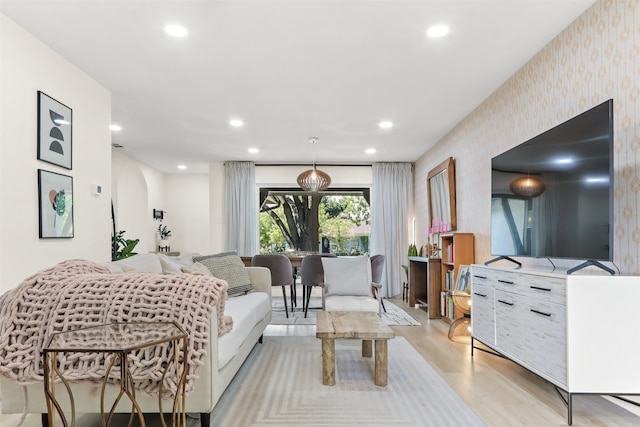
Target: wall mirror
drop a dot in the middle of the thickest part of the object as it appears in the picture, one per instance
(441, 191)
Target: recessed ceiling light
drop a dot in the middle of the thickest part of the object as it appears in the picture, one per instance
(115, 128)
(438, 31)
(370, 151)
(236, 123)
(182, 167)
(385, 124)
(176, 30)
(253, 150)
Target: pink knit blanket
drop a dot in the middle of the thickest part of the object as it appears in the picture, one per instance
(78, 293)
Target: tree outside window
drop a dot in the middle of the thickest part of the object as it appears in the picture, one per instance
(296, 221)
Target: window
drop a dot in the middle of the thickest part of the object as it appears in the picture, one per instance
(336, 221)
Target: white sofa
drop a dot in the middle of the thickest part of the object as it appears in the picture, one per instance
(251, 314)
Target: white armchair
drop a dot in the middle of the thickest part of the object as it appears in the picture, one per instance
(348, 285)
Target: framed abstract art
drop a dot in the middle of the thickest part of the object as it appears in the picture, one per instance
(55, 195)
(55, 125)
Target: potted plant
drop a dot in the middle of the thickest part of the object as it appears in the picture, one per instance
(164, 234)
(121, 247)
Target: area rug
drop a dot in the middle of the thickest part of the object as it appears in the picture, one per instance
(393, 316)
(280, 384)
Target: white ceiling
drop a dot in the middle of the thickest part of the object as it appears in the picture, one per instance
(291, 70)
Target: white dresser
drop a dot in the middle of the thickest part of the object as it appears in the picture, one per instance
(579, 332)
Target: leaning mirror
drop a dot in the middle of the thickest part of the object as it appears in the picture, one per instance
(441, 192)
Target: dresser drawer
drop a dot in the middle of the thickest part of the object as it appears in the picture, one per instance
(483, 325)
(482, 275)
(546, 343)
(545, 288)
(510, 331)
(509, 282)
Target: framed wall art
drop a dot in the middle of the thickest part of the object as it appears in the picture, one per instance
(55, 125)
(464, 279)
(55, 195)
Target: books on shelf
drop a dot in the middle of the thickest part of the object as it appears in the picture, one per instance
(449, 284)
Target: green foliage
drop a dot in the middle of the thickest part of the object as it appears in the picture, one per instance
(122, 248)
(413, 250)
(353, 208)
(337, 230)
(271, 238)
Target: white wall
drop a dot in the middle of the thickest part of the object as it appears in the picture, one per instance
(186, 199)
(26, 66)
(137, 190)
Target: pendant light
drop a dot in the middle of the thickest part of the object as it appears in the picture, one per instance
(314, 179)
(527, 186)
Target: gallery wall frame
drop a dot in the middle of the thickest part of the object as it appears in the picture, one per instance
(55, 201)
(55, 131)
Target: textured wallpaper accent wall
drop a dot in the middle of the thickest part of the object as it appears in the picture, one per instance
(594, 59)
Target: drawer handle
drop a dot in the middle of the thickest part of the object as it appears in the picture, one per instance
(479, 277)
(506, 302)
(540, 312)
(540, 289)
(505, 281)
(480, 295)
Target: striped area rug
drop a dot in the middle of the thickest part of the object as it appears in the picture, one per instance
(281, 385)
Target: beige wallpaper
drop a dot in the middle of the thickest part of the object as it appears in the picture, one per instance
(594, 59)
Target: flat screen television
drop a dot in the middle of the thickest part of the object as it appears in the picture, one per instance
(552, 196)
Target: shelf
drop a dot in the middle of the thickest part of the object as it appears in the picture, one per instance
(457, 250)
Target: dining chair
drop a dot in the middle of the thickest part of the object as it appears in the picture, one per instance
(405, 284)
(281, 273)
(377, 267)
(348, 285)
(312, 275)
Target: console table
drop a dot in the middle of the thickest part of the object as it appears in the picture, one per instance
(575, 331)
(424, 284)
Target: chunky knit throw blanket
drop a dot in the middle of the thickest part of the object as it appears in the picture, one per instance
(77, 293)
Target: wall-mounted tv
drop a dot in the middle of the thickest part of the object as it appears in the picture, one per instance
(552, 196)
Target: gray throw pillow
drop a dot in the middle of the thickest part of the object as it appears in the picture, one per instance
(228, 266)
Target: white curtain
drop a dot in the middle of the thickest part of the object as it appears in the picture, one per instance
(391, 220)
(241, 208)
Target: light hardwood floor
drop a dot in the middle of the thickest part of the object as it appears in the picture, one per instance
(499, 391)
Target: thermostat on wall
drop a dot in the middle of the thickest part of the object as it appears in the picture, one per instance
(97, 189)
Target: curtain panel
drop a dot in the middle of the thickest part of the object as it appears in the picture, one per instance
(391, 220)
(241, 213)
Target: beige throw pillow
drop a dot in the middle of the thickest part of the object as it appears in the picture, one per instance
(228, 266)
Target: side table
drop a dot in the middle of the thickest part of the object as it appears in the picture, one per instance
(119, 340)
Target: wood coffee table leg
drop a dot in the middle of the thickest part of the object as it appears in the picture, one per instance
(367, 348)
(381, 363)
(328, 362)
